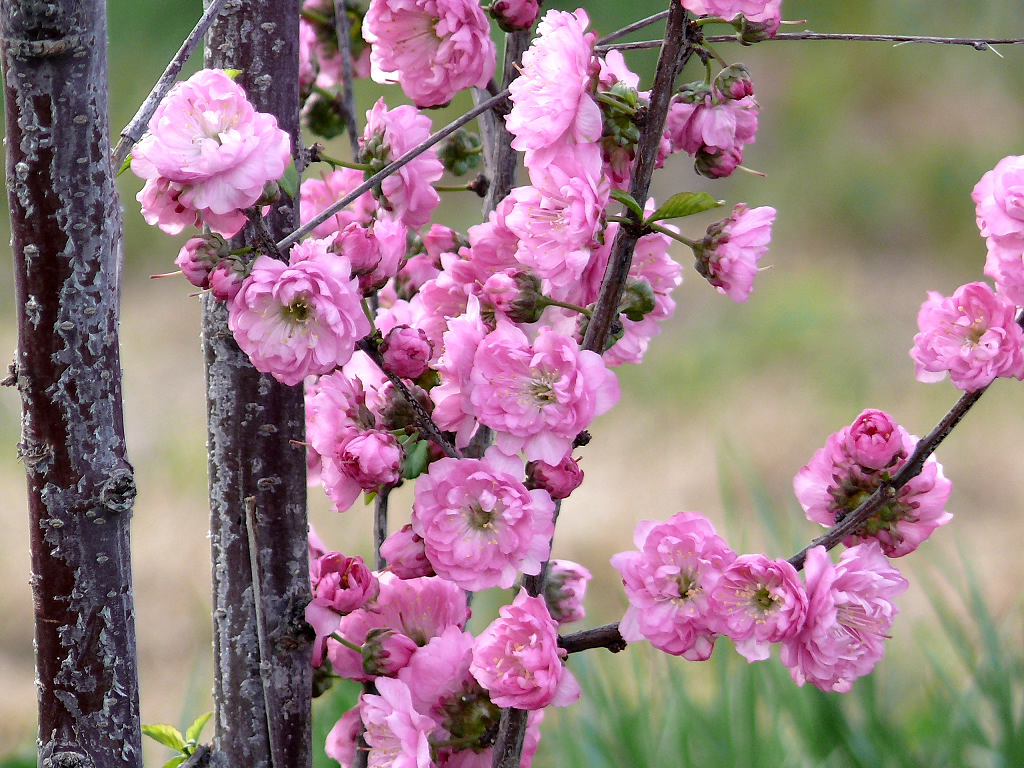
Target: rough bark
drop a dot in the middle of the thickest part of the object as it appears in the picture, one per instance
(66, 227)
(262, 684)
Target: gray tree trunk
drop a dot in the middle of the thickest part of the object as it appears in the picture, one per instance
(66, 229)
(262, 684)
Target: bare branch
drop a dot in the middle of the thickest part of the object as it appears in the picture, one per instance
(136, 128)
(348, 99)
(978, 43)
(654, 19)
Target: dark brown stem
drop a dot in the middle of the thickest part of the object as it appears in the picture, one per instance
(978, 43)
(501, 160)
(380, 525)
(653, 19)
(599, 637)
(262, 674)
(65, 238)
(422, 417)
(391, 168)
(348, 99)
(136, 128)
(677, 49)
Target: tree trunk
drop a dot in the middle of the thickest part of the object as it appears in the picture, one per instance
(66, 228)
(262, 684)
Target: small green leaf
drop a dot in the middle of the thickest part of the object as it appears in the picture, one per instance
(233, 73)
(192, 734)
(685, 204)
(174, 762)
(417, 456)
(627, 200)
(166, 734)
(125, 165)
(290, 182)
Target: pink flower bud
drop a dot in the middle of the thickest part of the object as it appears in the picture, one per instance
(515, 14)
(405, 554)
(564, 589)
(386, 651)
(874, 440)
(559, 480)
(198, 256)
(340, 585)
(226, 279)
(406, 351)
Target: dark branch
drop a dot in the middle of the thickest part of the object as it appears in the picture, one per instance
(347, 99)
(654, 19)
(978, 43)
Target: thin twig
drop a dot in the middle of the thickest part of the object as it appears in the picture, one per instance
(389, 169)
(138, 125)
(633, 28)
(380, 525)
(270, 706)
(348, 99)
(978, 43)
(422, 417)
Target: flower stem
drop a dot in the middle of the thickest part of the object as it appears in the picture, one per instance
(357, 648)
(343, 163)
(547, 301)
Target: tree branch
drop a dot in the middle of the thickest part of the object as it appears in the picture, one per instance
(978, 43)
(136, 128)
(348, 99)
(654, 19)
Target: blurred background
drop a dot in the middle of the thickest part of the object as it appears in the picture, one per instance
(870, 152)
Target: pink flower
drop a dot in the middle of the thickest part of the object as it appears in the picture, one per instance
(301, 318)
(713, 127)
(669, 582)
(364, 461)
(564, 588)
(408, 193)
(552, 105)
(518, 661)
(732, 247)
(515, 14)
(538, 397)
(396, 733)
(341, 741)
(972, 335)
(999, 197)
(1005, 265)
(406, 351)
(198, 256)
(340, 585)
(480, 525)
(758, 602)
(849, 614)
(315, 195)
(729, 9)
(210, 153)
(405, 554)
(432, 48)
(853, 463)
(226, 279)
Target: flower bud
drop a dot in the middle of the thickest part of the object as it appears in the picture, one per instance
(637, 299)
(460, 152)
(405, 554)
(395, 411)
(323, 116)
(513, 15)
(406, 351)
(734, 82)
(198, 256)
(559, 480)
(564, 589)
(226, 278)
(716, 163)
(693, 93)
(750, 32)
(386, 651)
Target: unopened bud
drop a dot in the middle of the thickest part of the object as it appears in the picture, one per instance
(460, 152)
(323, 116)
(750, 32)
(559, 480)
(717, 163)
(386, 651)
(637, 299)
(513, 15)
(734, 82)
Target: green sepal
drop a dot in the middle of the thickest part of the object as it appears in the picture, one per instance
(166, 734)
(125, 165)
(684, 204)
(290, 184)
(417, 456)
(232, 73)
(194, 730)
(627, 200)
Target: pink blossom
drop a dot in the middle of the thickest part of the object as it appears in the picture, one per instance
(395, 732)
(386, 652)
(756, 10)
(432, 48)
(999, 198)
(209, 154)
(316, 195)
(341, 741)
(669, 582)
(340, 585)
(538, 397)
(849, 614)
(405, 554)
(1005, 265)
(732, 247)
(301, 318)
(552, 105)
(453, 411)
(479, 523)
(408, 193)
(517, 658)
(363, 461)
(335, 411)
(758, 602)
(406, 351)
(564, 588)
(226, 279)
(198, 256)
(853, 463)
(972, 335)
(713, 128)
(559, 480)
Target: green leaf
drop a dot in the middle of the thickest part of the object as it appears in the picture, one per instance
(685, 204)
(166, 734)
(233, 73)
(192, 734)
(416, 459)
(627, 200)
(174, 762)
(290, 184)
(125, 165)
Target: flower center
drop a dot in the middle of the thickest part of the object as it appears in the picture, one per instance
(764, 600)
(298, 312)
(481, 519)
(542, 390)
